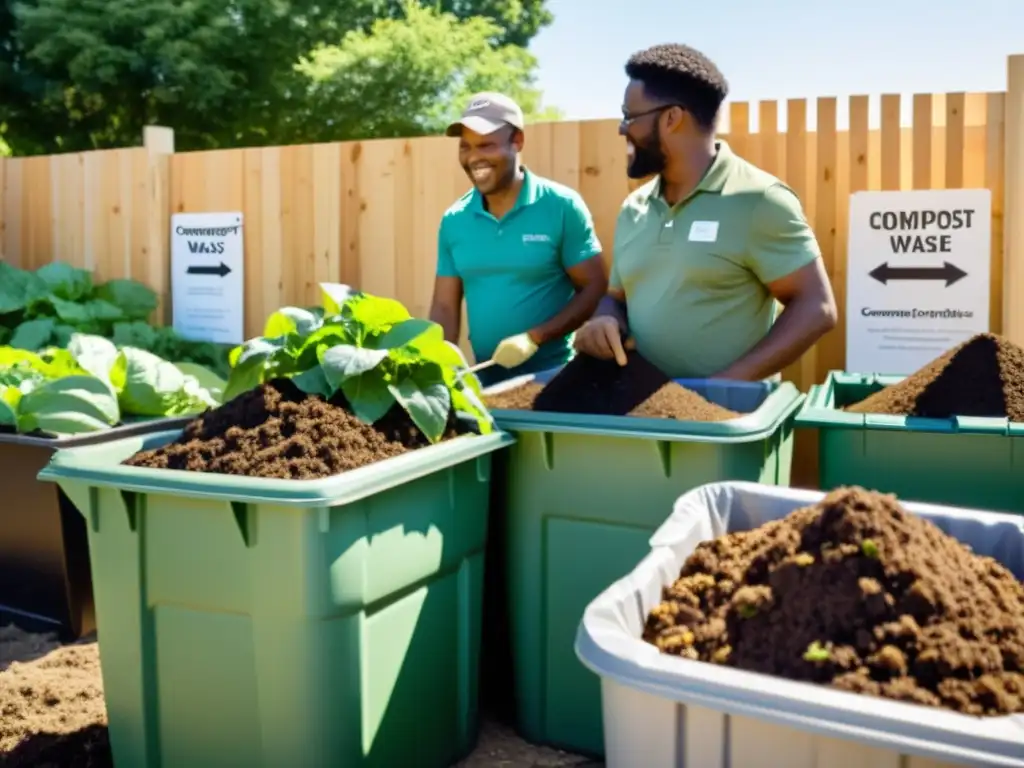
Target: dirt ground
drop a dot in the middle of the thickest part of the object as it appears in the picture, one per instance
(47, 688)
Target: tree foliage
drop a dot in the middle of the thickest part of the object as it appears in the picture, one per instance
(412, 76)
(84, 74)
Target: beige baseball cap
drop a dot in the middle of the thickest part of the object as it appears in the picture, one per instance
(486, 113)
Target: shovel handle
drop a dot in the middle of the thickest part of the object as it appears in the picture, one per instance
(480, 366)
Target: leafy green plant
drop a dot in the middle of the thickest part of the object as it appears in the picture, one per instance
(371, 350)
(46, 307)
(93, 385)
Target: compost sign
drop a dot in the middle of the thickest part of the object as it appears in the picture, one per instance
(207, 285)
(917, 276)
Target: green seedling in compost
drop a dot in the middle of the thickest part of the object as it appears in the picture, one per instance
(747, 611)
(869, 548)
(371, 350)
(816, 652)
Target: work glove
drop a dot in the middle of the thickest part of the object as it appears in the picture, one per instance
(515, 350)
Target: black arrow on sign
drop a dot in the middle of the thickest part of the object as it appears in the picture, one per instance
(948, 272)
(222, 270)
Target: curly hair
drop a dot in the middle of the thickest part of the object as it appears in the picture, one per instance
(681, 75)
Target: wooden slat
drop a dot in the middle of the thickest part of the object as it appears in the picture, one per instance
(739, 129)
(922, 142)
(772, 149)
(996, 147)
(1013, 182)
(891, 141)
(955, 140)
(830, 355)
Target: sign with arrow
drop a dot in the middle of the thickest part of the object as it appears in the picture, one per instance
(221, 269)
(917, 272)
(207, 280)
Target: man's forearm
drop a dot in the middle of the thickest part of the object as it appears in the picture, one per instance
(579, 309)
(450, 321)
(797, 329)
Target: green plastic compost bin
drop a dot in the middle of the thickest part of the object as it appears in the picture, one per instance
(582, 496)
(266, 623)
(45, 584)
(961, 461)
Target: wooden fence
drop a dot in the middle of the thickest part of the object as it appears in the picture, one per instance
(367, 212)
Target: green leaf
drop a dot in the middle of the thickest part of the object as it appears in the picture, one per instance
(291, 320)
(90, 314)
(345, 361)
(155, 387)
(313, 382)
(66, 282)
(18, 288)
(253, 365)
(307, 354)
(335, 296)
(62, 334)
(206, 378)
(368, 395)
(33, 334)
(69, 405)
(9, 398)
(375, 315)
(135, 334)
(468, 405)
(412, 331)
(135, 300)
(426, 398)
(98, 356)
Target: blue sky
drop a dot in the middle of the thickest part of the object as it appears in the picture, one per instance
(777, 49)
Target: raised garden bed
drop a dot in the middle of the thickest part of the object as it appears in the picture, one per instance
(305, 560)
(791, 627)
(952, 433)
(601, 454)
(56, 399)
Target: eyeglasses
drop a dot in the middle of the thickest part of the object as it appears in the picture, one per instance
(630, 119)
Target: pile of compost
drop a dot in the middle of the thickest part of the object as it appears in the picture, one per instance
(858, 593)
(278, 431)
(983, 376)
(587, 385)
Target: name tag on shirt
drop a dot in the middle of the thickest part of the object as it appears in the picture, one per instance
(703, 231)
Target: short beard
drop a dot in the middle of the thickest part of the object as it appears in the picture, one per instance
(647, 160)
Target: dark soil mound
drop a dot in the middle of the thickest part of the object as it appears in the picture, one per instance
(86, 748)
(856, 592)
(279, 431)
(603, 387)
(984, 376)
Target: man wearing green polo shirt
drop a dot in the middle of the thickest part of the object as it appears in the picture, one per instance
(704, 250)
(520, 248)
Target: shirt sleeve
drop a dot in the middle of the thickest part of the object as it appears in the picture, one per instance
(445, 262)
(614, 278)
(614, 281)
(579, 239)
(781, 239)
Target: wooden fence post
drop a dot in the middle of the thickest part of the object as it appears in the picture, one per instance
(1013, 206)
(159, 144)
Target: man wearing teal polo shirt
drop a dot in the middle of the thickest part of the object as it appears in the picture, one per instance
(705, 250)
(520, 248)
